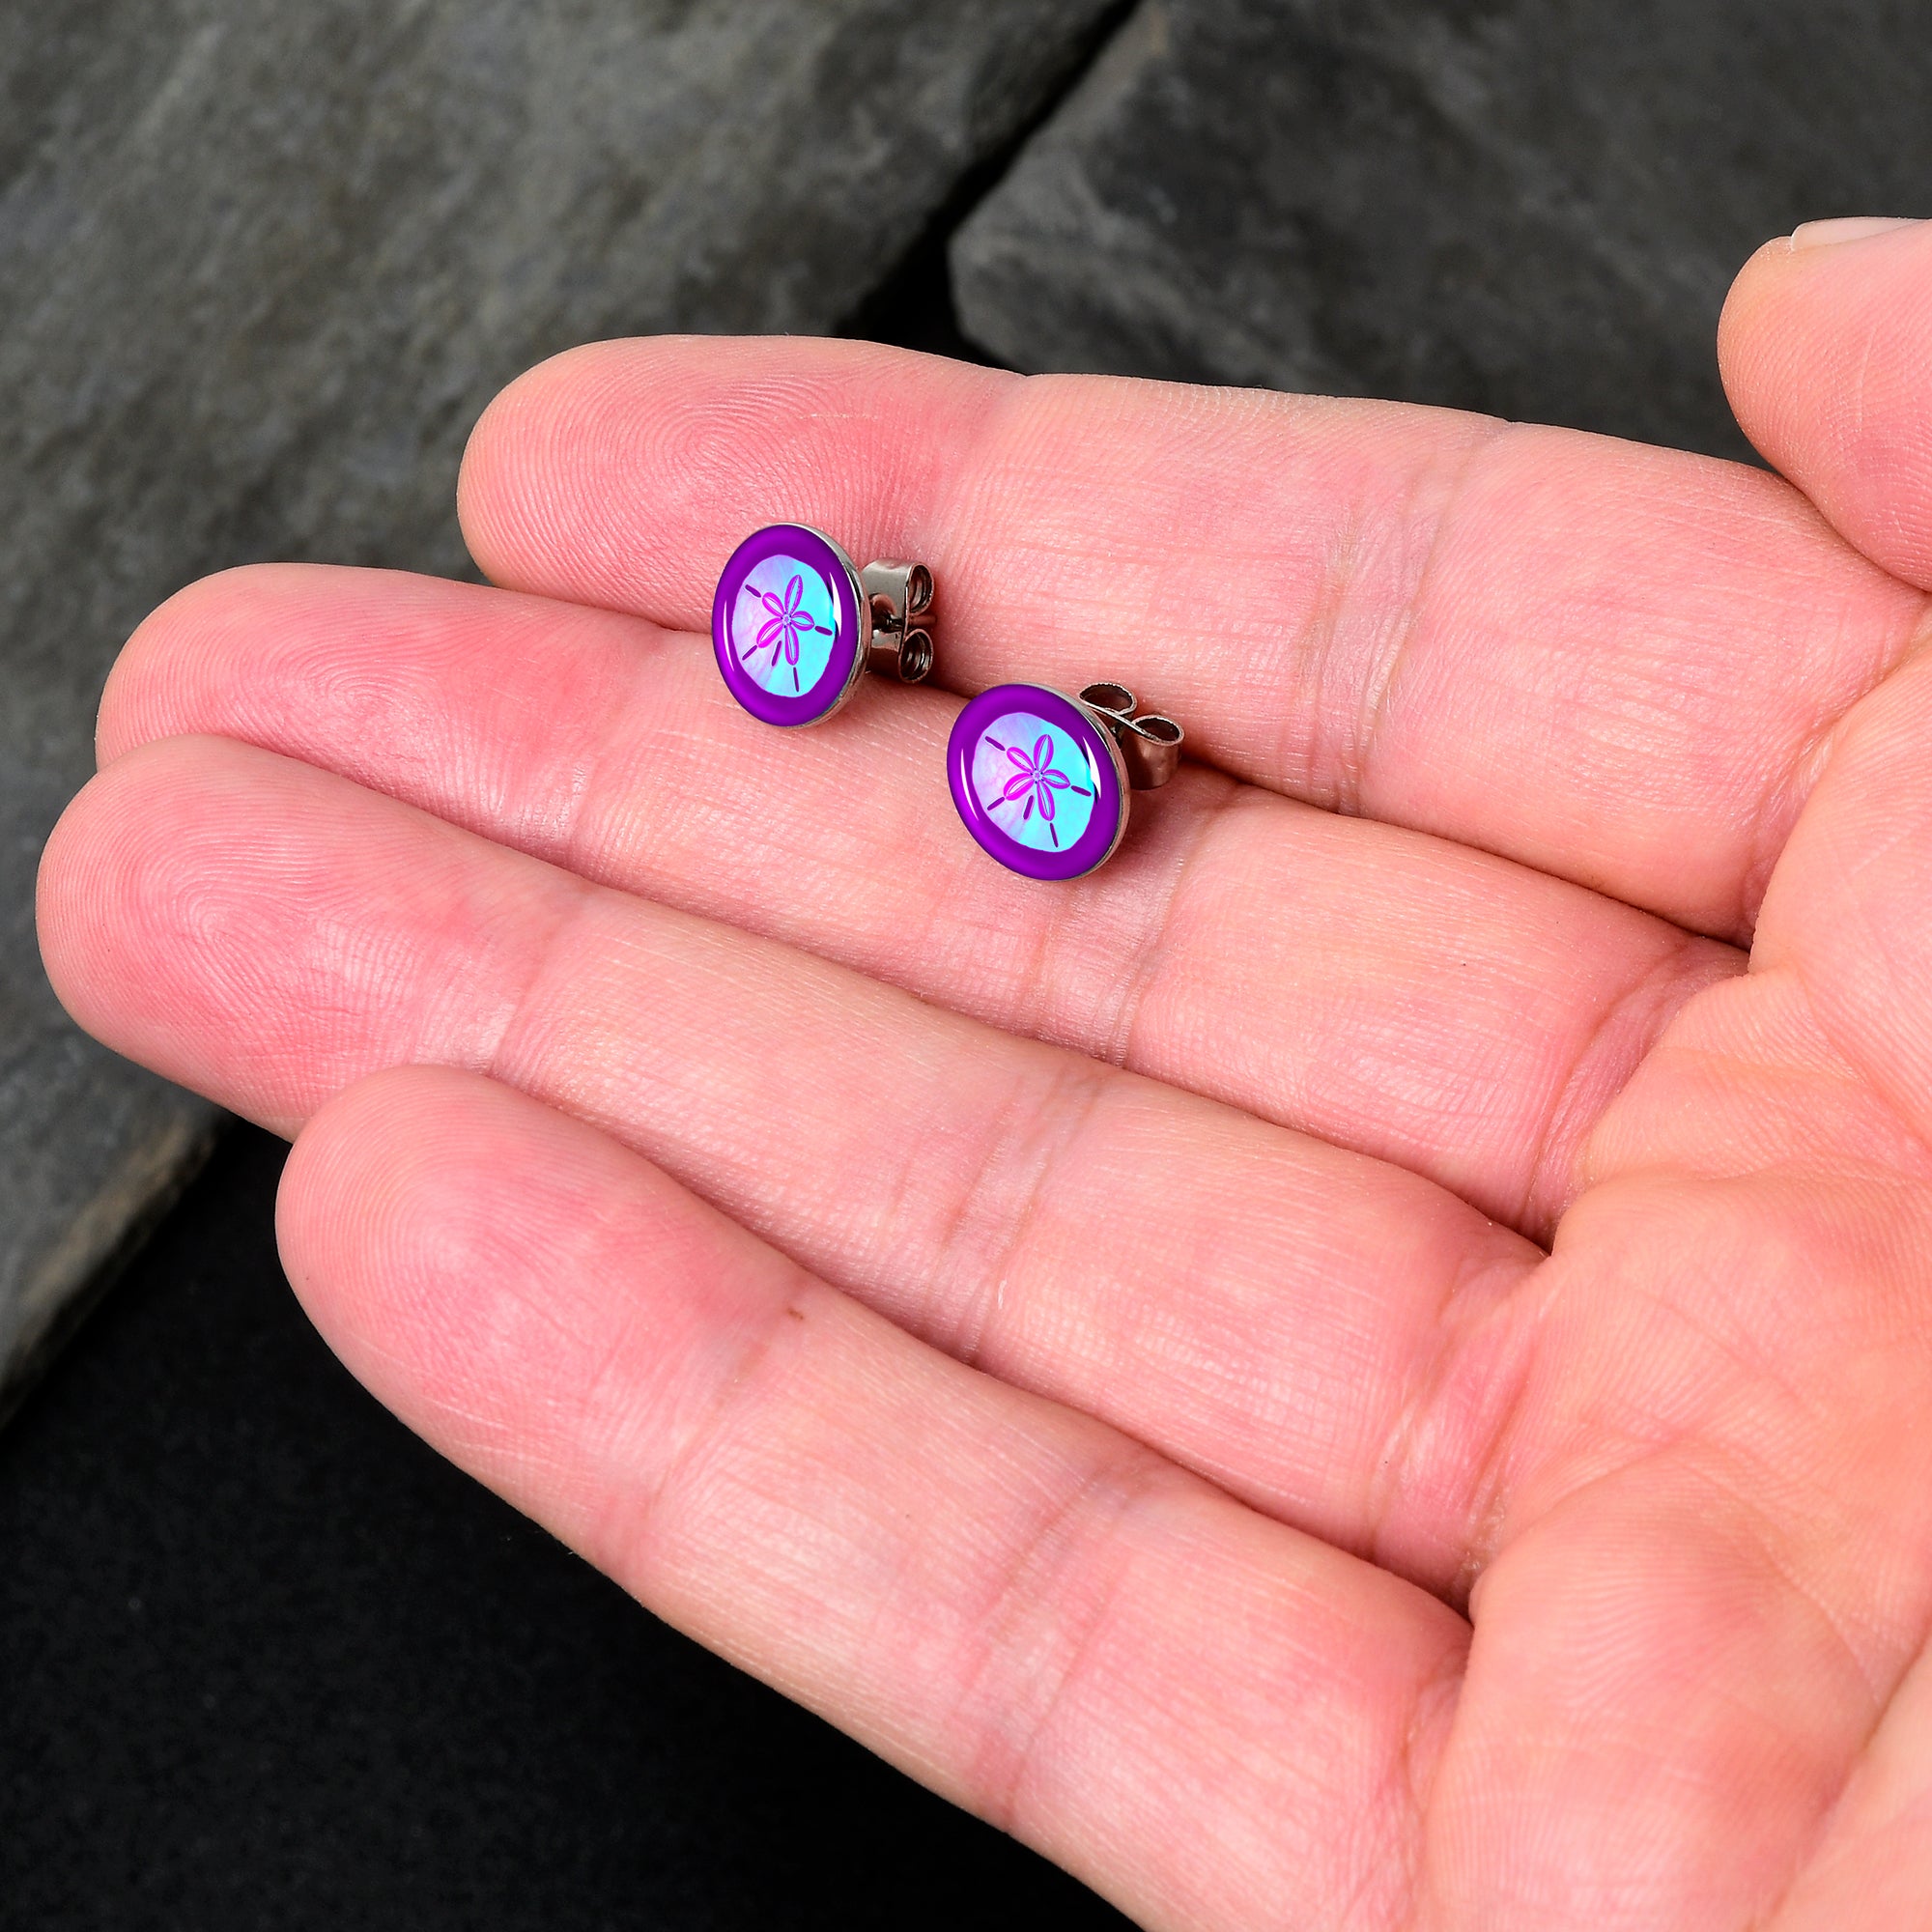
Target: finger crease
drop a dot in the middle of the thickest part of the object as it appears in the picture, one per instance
(1353, 757)
(1415, 1450)
(1780, 800)
(1623, 1032)
(1151, 954)
(496, 1052)
(1010, 1700)
(987, 1232)
(639, 1498)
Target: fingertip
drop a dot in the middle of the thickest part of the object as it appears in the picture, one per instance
(194, 644)
(377, 1211)
(1821, 343)
(500, 500)
(622, 473)
(1743, 333)
(523, 499)
(1748, 288)
(441, 1179)
(90, 897)
(415, 1210)
(182, 924)
(137, 682)
(507, 1279)
(65, 883)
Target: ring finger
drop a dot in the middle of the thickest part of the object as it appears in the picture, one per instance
(1330, 1338)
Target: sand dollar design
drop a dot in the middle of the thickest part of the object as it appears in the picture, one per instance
(785, 625)
(1037, 781)
(1034, 781)
(784, 621)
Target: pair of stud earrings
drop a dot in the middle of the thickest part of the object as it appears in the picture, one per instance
(1040, 780)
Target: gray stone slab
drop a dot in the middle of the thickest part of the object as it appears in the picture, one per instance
(1528, 206)
(261, 265)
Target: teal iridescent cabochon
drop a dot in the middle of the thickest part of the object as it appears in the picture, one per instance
(1035, 782)
(783, 623)
(787, 624)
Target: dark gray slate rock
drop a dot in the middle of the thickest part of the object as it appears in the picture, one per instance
(260, 268)
(1529, 207)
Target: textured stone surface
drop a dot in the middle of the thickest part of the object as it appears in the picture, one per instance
(261, 266)
(1531, 207)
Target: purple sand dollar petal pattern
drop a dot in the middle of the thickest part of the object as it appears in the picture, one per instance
(780, 634)
(788, 622)
(1035, 778)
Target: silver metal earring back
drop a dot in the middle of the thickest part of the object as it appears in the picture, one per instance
(900, 599)
(1150, 744)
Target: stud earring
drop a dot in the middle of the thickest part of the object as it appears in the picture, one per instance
(795, 625)
(1043, 780)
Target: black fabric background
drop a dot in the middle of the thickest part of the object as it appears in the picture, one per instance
(272, 1663)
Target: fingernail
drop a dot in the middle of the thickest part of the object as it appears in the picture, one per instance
(1847, 228)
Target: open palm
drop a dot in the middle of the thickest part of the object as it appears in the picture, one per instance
(1365, 1365)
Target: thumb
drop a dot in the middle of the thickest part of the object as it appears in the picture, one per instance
(1825, 345)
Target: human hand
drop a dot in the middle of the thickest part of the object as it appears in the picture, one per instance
(1353, 1368)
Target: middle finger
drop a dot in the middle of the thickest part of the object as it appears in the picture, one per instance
(1451, 1011)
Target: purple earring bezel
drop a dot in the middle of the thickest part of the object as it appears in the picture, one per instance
(1096, 845)
(847, 660)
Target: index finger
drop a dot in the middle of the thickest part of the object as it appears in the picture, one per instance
(1606, 660)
